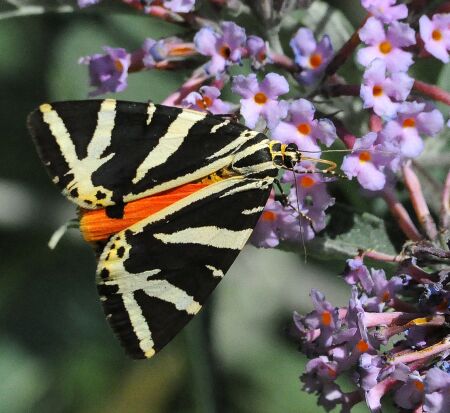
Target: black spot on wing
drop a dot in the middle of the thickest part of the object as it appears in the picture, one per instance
(115, 211)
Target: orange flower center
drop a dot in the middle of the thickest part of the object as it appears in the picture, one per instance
(419, 385)
(268, 216)
(225, 51)
(315, 60)
(362, 346)
(260, 98)
(386, 297)
(204, 103)
(365, 156)
(118, 65)
(261, 56)
(326, 318)
(409, 123)
(436, 35)
(331, 373)
(385, 47)
(304, 128)
(377, 90)
(307, 181)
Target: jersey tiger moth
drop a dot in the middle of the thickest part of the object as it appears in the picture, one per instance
(167, 197)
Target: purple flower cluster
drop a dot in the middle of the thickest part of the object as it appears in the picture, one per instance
(109, 72)
(407, 313)
(385, 89)
(289, 122)
(228, 47)
(308, 198)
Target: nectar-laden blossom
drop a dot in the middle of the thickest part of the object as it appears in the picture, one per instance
(413, 120)
(224, 48)
(386, 45)
(391, 339)
(170, 48)
(385, 10)
(309, 196)
(383, 93)
(207, 99)
(435, 34)
(257, 50)
(301, 128)
(261, 98)
(366, 163)
(301, 219)
(266, 233)
(108, 72)
(310, 55)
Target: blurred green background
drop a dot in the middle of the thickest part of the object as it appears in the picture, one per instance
(57, 354)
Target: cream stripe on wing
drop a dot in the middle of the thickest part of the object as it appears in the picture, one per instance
(105, 124)
(60, 133)
(242, 138)
(252, 211)
(210, 235)
(169, 143)
(216, 272)
(150, 111)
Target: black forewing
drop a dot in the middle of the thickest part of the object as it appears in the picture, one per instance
(132, 139)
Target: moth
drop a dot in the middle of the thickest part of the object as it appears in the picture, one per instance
(167, 197)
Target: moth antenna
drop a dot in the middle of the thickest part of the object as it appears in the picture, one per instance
(300, 216)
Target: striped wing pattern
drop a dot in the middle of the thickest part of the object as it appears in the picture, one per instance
(155, 275)
(102, 153)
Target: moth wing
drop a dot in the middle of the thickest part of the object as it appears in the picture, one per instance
(107, 152)
(154, 276)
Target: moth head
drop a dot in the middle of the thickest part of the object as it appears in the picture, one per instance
(291, 155)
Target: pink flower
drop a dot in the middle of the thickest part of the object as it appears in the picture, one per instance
(302, 129)
(225, 49)
(261, 99)
(310, 55)
(386, 45)
(435, 34)
(413, 119)
(383, 93)
(385, 10)
(365, 163)
(207, 99)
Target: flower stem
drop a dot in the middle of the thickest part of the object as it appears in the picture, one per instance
(432, 91)
(399, 212)
(418, 200)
